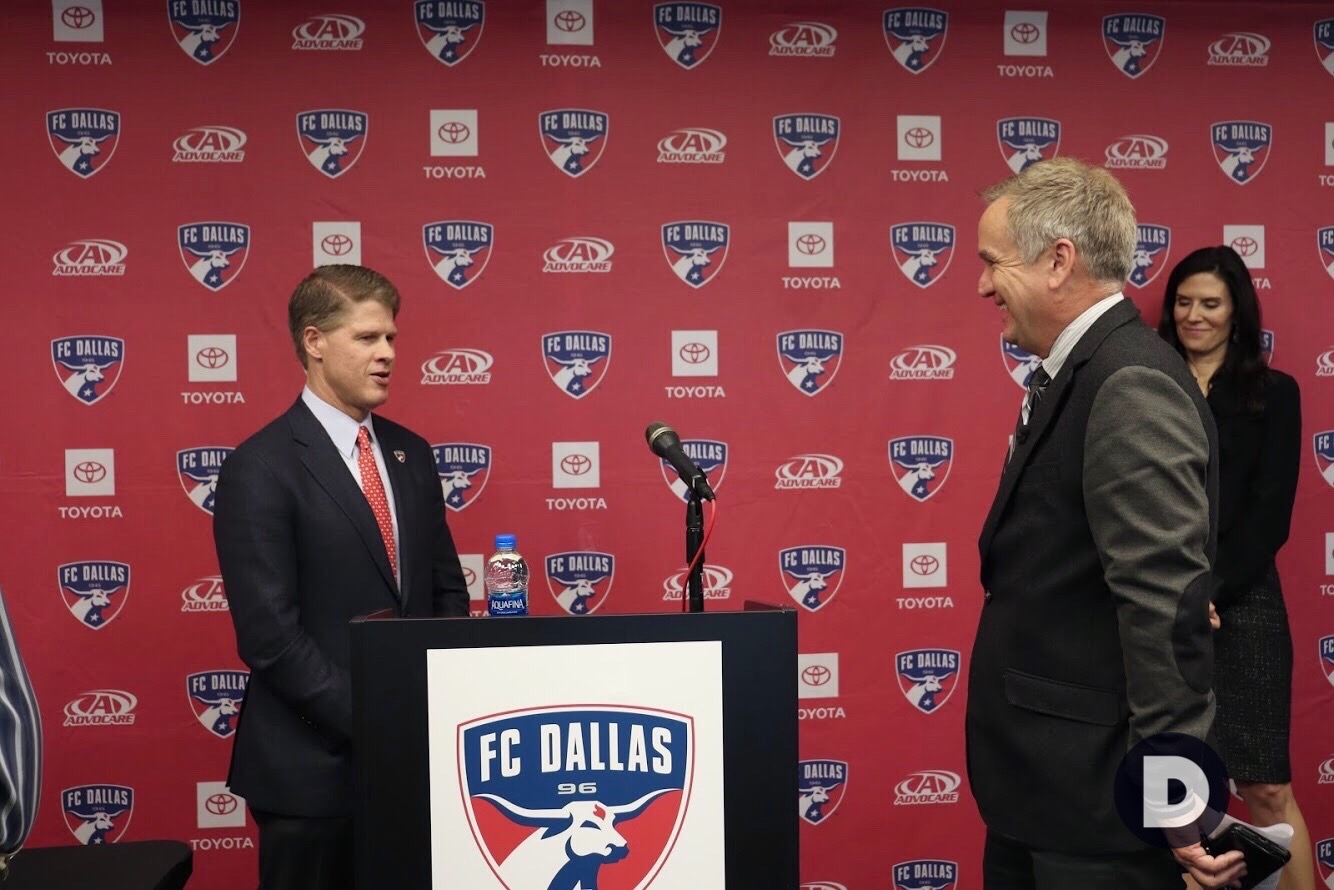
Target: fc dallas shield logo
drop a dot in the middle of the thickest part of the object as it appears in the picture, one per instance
(601, 808)
(927, 677)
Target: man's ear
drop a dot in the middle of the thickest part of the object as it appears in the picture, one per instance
(312, 340)
(1062, 262)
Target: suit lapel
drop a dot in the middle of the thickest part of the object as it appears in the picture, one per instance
(1048, 409)
(323, 462)
(399, 482)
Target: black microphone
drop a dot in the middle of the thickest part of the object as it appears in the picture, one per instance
(666, 444)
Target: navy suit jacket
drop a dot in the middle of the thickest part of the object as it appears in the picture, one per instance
(301, 555)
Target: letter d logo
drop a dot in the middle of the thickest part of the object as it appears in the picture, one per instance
(1171, 788)
(1164, 778)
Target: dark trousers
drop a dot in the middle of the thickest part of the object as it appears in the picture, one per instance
(303, 853)
(1010, 865)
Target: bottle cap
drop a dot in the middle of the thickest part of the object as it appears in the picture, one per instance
(505, 541)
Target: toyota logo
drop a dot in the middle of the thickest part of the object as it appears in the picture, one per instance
(576, 464)
(919, 137)
(816, 675)
(810, 244)
(694, 353)
(1245, 245)
(469, 577)
(336, 244)
(212, 357)
(1025, 32)
(220, 804)
(569, 20)
(89, 471)
(924, 564)
(78, 17)
(454, 132)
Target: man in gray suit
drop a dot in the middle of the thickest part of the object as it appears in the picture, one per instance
(1094, 633)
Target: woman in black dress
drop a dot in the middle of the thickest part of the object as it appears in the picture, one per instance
(1212, 316)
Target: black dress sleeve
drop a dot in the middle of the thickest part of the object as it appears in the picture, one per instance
(1266, 512)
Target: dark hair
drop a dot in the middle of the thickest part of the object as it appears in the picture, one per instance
(1243, 369)
(323, 297)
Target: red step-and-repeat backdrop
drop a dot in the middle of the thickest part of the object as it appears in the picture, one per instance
(751, 220)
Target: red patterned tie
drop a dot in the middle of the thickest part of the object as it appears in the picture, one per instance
(373, 488)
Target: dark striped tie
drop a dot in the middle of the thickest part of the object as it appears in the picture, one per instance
(1038, 382)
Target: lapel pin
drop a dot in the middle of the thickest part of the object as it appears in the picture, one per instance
(402, 458)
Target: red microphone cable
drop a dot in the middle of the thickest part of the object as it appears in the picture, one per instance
(708, 533)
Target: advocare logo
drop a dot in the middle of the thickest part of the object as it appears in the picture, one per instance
(1240, 49)
(804, 40)
(926, 362)
(929, 786)
(209, 145)
(457, 366)
(717, 584)
(582, 253)
(205, 595)
(693, 145)
(329, 32)
(90, 256)
(809, 471)
(1137, 152)
(101, 707)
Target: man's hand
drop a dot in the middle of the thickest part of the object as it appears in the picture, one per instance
(1212, 871)
(1214, 621)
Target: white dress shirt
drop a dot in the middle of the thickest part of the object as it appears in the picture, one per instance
(343, 431)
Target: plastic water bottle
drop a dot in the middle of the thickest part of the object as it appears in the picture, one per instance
(506, 580)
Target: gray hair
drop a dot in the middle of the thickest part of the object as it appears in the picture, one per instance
(1066, 198)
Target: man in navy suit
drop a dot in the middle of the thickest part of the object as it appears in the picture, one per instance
(327, 513)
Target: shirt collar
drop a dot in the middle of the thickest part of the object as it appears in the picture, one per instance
(341, 428)
(1066, 340)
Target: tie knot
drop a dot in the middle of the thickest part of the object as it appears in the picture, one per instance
(363, 437)
(1039, 380)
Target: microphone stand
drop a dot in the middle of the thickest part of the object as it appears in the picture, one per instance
(694, 544)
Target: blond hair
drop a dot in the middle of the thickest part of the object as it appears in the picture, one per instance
(324, 296)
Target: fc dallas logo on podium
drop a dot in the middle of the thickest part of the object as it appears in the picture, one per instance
(577, 796)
